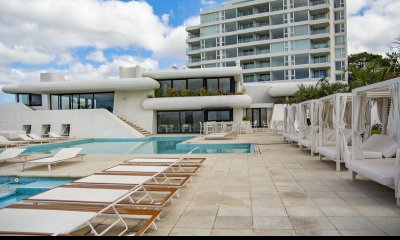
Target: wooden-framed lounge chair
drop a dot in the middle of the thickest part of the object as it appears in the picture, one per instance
(125, 179)
(61, 156)
(56, 220)
(137, 196)
(12, 153)
(166, 161)
(174, 168)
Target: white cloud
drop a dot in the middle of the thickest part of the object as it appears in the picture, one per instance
(376, 28)
(22, 54)
(97, 56)
(77, 71)
(42, 27)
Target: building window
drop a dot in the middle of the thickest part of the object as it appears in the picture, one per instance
(340, 53)
(302, 73)
(179, 121)
(339, 15)
(30, 100)
(224, 115)
(339, 40)
(257, 114)
(340, 66)
(339, 3)
(320, 59)
(320, 73)
(339, 28)
(82, 101)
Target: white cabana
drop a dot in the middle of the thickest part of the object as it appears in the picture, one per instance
(334, 128)
(385, 171)
(308, 134)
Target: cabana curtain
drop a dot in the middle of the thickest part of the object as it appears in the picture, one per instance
(344, 150)
(395, 132)
(314, 122)
(359, 105)
(383, 109)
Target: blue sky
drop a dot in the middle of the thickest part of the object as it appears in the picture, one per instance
(90, 39)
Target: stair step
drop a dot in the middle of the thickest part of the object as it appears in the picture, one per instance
(137, 128)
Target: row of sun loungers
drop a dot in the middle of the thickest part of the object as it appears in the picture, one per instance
(125, 199)
(27, 139)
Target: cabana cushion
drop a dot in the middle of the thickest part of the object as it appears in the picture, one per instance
(379, 170)
(381, 143)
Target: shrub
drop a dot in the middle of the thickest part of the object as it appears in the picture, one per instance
(219, 92)
(376, 129)
(171, 92)
(186, 93)
(202, 92)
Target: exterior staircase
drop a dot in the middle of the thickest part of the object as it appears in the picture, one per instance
(137, 128)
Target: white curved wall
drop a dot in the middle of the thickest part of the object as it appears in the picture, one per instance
(93, 123)
(192, 103)
(286, 89)
(137, 84)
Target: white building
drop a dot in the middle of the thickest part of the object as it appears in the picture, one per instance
(138, 103)
(294, 40)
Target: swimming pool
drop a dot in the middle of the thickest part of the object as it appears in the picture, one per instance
(152, 145)
(14, 189)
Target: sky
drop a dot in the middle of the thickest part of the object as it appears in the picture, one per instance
(90, 39)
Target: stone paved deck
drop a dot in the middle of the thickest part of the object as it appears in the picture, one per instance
(282, 191)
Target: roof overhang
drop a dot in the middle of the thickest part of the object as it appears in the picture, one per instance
(126, 84)
(235, 72)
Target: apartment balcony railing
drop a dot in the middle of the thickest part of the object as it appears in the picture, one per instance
(193, 48)
(320, 46)
(251, 53)
(255, 66)
(319, 31)
(318, 2)
(194, 60)
(191, 36)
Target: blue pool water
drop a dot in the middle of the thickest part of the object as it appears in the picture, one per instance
(153, 145)
(15, 189)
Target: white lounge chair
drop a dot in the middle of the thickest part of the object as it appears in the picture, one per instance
(12, 153)
(4, 142)
(42, 220)
(63, 155)
(221, 136)
(37, 138)
(30, 140)
(56, 136)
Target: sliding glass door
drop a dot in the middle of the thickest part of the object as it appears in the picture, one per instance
(257, 114)
(179, 121)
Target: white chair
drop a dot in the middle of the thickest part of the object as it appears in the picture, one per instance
(4, 142)
(37, 138)
(63, 155)
(255, 124)
(12, 153)
(201, 128)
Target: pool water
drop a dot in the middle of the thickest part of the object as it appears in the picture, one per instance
(13, 190)
(153, 145)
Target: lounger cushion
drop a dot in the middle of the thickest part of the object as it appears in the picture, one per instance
(330, 153)
(294, 137)
(379, 170)
(305, 142)
(381, 143)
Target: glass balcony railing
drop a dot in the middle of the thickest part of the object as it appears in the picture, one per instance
(192, 36)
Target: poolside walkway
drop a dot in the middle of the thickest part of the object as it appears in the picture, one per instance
(282, 191)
